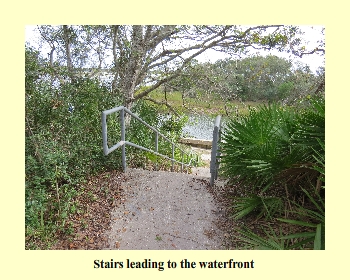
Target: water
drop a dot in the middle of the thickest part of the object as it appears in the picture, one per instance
(199, 126)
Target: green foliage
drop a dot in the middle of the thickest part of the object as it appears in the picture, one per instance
(254, 78)
(268, 145)
(279, 150)
(173, 125)
(257, 147)
(62, 147)
(264, 206)
(170, 127)
(311, 218)
(32, 68)
(311, 126)
(285, 89)
(320, 159)
(308, 239)
(256, 242)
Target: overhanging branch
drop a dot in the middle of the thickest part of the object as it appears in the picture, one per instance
(162, 103)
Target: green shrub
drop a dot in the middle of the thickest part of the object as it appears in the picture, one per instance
(63, 143)
(143, 136)
(256, 147)
(263, 206)
(279, 151)
(313, 236)
(272, 145)
(62, 147)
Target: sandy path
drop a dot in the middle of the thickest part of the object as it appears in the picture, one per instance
(165, 210)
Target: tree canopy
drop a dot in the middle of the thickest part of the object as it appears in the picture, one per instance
(138, 55)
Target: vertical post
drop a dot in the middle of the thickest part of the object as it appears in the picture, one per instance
(182, 160)
(172, 158)
(214, 150)
(218, 152)
(122, 127)
(104, 134)
(213, 157)
(157, 150)
(188, 160)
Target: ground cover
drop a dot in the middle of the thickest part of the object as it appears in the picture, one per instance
(85, 227)
(210, 106)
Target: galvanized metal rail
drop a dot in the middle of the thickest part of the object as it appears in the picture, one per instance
(215, 151)
(123, 142)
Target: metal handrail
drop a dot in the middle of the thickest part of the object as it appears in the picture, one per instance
(123, 143)
(215, 150)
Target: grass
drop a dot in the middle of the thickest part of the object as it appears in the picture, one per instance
(204, 104)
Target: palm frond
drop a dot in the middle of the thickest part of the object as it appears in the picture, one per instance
(254, 241)
(265, 206)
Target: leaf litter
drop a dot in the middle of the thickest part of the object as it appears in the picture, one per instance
(104, 192)
(87, 227)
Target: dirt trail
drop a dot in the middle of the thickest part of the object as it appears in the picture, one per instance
(165, 210)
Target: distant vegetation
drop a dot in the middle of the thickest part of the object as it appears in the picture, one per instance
(230, 87)
(211, 105)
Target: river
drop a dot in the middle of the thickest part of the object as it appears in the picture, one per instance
(200, 127)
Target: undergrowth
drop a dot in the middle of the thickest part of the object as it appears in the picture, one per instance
(277, 156)
(63, 144)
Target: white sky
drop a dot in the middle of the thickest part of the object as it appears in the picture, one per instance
(312, 34)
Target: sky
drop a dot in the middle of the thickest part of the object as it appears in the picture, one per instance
(312, 34)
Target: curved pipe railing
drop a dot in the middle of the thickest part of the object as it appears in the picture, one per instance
(122, 143)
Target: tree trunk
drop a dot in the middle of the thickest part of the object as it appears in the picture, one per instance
(134, 65)
(67, 43)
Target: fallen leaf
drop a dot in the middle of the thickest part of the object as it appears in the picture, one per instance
(117, 244)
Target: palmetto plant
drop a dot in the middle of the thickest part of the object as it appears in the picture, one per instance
(310, 127)
(312, 219)
(256, 147)
(278, 148)
(261, 147)
(255, 241)
(264, 206)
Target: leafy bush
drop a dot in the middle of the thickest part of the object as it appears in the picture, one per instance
(307, 239)
(63, 143)
(277, 154)
(273, 145)
(257, 147)
(143, 136)
(62, 148)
